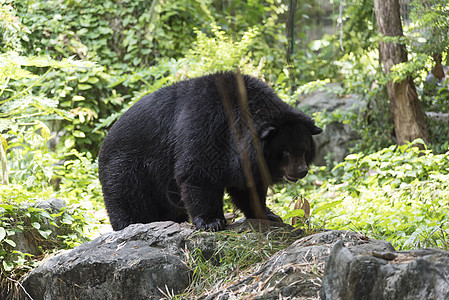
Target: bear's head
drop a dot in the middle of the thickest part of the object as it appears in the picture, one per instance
(289, 148)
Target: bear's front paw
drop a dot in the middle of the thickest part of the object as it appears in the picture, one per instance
(273, 217)
(212, 224)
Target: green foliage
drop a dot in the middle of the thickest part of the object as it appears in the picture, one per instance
(11, 29)
(21, 219)
(23, 94)
(126, 39)
(359, 28)
(430, 26)
(339, 55)
(36, 175)
(436, 101)
(398, 194)
(392, 166)
(220, 53)
(21, 111)
(114, 33)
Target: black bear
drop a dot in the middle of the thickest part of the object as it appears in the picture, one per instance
(172, 155)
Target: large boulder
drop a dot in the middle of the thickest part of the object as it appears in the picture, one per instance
(135, 263)
(378, 275)
(327, 98)
(334, 143)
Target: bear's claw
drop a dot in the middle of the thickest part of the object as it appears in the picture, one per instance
(212, 224)
(273, 217)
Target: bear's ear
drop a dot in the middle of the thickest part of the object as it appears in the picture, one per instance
(315, 130)
(267, 132)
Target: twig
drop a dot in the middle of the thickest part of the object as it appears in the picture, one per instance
(24, 290)
(6, 84)
(28, 88)
(341, 26)
(5, 179)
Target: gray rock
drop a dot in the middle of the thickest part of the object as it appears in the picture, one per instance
(420, 274)
(26, 240)
(438, 116)
(328, 99)
(334, 143)
(295, 273)
(52, 205)
(144, 261)
(134, 263)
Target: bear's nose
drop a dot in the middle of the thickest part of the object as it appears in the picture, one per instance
(302, 173)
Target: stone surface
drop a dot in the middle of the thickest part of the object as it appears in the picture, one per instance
(26, 241)
(328, 99)
(295, 273)
(134, 263)
(334, 143)
(144, 261)
(419, 274)
(438, 116)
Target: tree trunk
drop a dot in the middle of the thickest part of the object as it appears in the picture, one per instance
(409, 121)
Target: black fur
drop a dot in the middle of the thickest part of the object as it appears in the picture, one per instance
(174, 152)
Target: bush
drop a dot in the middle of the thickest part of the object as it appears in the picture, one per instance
(31, 173)
(399, 194)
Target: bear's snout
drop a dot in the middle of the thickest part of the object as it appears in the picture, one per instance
(302, 172)
(297, 174)
(296, 168)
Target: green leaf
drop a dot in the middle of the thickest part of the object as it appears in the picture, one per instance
(84, 78)
(93, 80)
(84, 87)
(2, 233)
(136, 61)
(79, 134)
(7, 266)
(78, 98)
(69, 142)
(327, 206)
(10, 242)
(7, 206)
(295, 213)
(36, 225)
(45, 233)
(45, 214)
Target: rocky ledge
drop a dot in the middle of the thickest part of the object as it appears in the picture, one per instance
(144, 261)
